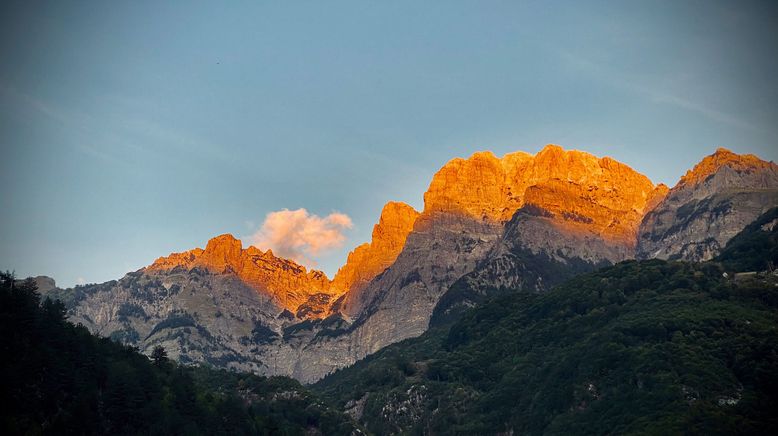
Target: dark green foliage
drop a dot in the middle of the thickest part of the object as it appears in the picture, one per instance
(755, 248)
(159, 355)
(332, 326)
(641, 347)
(316, 305)
(532, 268)
(57, 378)
(72, 296)
(298, 329)
(411, 278)
(128, 310)
(572, 216)
(127, 335)
(535, 210)
(174, 321)
(262, 334)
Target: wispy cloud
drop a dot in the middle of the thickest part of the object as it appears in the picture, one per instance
(699, 108)
(633, 84)
(68, 117)
(300, 235)
(77, 122)
(117, 133)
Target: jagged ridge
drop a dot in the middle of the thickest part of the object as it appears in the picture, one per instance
(510, 222)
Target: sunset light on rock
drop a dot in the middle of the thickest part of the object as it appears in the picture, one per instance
(388, 218)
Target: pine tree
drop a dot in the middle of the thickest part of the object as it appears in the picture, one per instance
(159, 355)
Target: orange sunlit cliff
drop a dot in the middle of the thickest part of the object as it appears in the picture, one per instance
(574, 190)
(285, 280)
(369, 259)
(579, 188)
(721, 158)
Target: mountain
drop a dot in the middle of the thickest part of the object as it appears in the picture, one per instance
(288, 284)
(466, 206)
(368, 260)
(693, 221)
(710, 204)
(756, 247)
(642, 347)
(57, 378)
(638, 347)
(490, 225)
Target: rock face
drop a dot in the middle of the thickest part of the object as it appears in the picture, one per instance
(580, 196)
(489, 225)
(45, 284)
(576, 185)
(287, 283)
(196, 315)
(710, 204)
(370, 259)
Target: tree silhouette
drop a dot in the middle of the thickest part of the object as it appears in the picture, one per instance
(159, 355)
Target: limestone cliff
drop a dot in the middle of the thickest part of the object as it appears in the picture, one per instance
(709, 205)
(577, 186)
(288, 283)
(370, 259)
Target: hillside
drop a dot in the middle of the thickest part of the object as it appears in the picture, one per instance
(756, 247)
(58, 378)
(640, 347)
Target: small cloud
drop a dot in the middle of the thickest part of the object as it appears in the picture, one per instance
(80, 281)
(301, 236)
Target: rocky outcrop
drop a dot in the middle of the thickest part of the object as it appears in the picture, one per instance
(45, 284)
(370, 259)
(709, 205)
(575, 186)
(286, 282)
(197, 315)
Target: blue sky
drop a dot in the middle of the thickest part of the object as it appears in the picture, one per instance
(131, 130)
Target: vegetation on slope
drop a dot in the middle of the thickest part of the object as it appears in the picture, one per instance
(57, 378)
(756, 247)
(640, 347)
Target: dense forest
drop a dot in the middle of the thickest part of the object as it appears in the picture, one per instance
(650, 347)
(57, 378)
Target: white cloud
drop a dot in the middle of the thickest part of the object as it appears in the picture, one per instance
(301, 236)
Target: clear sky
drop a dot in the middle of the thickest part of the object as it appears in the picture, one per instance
(129, 130)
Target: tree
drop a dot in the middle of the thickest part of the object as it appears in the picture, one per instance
(159, 355)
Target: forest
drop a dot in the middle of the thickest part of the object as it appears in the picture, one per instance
(57, 378)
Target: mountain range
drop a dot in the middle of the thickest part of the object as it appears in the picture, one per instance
(490, 225)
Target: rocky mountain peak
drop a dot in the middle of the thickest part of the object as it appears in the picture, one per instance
(369, 259)
(570, 184)
(473, 187)
(286, 282)
(712, 164)
(709, 205)
(222, 251)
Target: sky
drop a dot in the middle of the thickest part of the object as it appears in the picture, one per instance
(130, 130)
